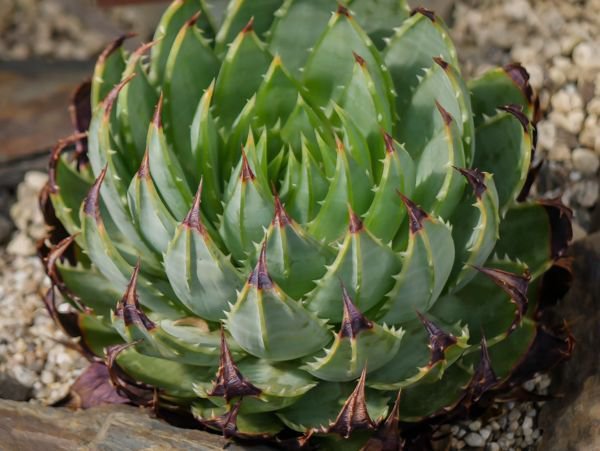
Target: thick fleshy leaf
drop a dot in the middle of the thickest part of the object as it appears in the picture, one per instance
(503, 148)
(266, 323)
(361, 260)
(108, 70)
(239, 13)
(202, 277)
(475, 226)
(241, 74)
(175, 17)
(380, 18)
(190, 68)
(359, 344)
(426, 266)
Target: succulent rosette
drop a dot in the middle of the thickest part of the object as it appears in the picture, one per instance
(303, 220)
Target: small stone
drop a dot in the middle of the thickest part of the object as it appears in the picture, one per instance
(514, 415)
(21, 245)
(485, 432)
(475, 425)
(585, 193)
(474, 440)
(584, 160)
(494, 446)
(460, 444)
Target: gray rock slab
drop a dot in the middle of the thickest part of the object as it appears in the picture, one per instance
(30, 427)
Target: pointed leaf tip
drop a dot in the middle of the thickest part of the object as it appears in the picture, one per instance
(446, 117)
(342, 10)
(415, 214)
(388, 437)
(192, 219)
(156, 119)
(229, 382)
(55, 255)
(476, 179)
(129, 307)
(520, 77)
(353, 320)
(514, 285)
(227, 422)
(249, 27)
(389, 143)
(517, 112)
(356, 225)
(354, 414)
(114, 45)
(144, 169)
(246, 172)
(359, 59)
(259, 277)
(439, 340)
(483, 378)
(55, 156)
(192, 20)
(111, 97)
(441, 62)
(424, 11)
(281, 217)
(91, 204)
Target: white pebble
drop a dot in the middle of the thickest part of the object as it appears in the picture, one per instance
(475, 440)
(475, 425)
(584, 160)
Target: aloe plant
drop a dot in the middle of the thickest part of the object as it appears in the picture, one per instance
(303, 220)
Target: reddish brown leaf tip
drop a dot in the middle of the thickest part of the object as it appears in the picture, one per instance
(520, 77)
(339, 144)
(246, 173)
(193, 219)
(91, 204)
(476, 179)
(424, 11)
(359, 59)
(446, 117)
(156, 119)
(439, 340)
(483, 378)
(144, 48)
(441, 62)
(55, 156)
(517, 112)
(230, 383)
(144, 169)
(114, 45)
(342, 10)
(390, 148)
(259, 277)
(129, 308)
(354, 414)
(192, 20)
(561, 228)
(226, 423)
(353, 321)
(416, 215)
(356, 225)
(514, 285)
(111, 97)
(281, 218)
(55, 255)
(387, 437)
(249, 26)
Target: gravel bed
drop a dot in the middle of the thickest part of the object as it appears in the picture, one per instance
(34, 353)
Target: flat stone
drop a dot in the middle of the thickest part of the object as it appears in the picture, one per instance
(29, 427)
(572, 421)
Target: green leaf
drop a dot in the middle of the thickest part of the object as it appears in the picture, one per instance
(504, 149)
(190, 68)
(258, 14)
(297, 28)
(266, 323)
(202, 277)
(426, 265)
(379, 18)
(258, 424)
(241, 74)
(173, 19)
(386, 213)
(107, 71)
(364, 265)
(411, 51)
